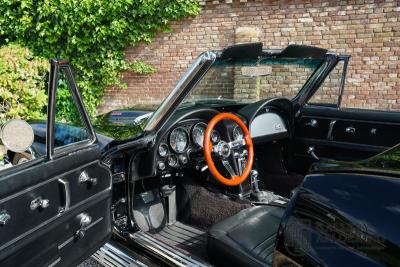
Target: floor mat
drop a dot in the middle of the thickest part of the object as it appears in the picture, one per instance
(202, 208)
(184, 237)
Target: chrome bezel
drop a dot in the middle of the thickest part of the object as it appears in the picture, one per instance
(187, 139)
(193, 139)
(176, 160)
(233, 132)
(166, 149)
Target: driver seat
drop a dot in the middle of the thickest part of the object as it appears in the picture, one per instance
(245, 239)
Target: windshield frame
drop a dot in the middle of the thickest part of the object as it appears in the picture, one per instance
(203, 64)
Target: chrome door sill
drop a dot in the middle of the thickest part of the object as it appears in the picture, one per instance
(165, 251)
(111, 256)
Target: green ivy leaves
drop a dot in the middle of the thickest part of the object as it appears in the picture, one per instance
(92, 34)
(22, 84)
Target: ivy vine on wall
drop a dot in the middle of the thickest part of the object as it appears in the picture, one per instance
(91, 34)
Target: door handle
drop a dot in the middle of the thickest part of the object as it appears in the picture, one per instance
(84, 221)
(39, 203)
(350, 130)
(4, 217)
(312, 123)
(67, 195)
(311, 151)
(85, 178)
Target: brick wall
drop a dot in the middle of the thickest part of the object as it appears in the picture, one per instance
(367, 30)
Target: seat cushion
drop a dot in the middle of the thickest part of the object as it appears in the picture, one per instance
(245, 239)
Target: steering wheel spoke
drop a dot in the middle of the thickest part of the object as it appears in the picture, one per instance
(229, 168)
(237, 144)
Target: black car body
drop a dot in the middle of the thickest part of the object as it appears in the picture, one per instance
(325, 193)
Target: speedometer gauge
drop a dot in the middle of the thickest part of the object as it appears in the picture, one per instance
(179, 140)
(198, 133)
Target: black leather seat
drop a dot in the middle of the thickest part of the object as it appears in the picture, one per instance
(245, 239)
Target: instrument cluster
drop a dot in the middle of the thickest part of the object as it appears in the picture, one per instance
(177, 146)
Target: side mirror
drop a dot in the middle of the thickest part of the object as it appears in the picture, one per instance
(17, 135)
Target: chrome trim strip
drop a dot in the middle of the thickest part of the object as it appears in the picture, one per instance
(54, 263)
(173, 255)
(66, 242)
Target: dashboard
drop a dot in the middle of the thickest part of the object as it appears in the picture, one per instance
(179, 143)
(184, 142)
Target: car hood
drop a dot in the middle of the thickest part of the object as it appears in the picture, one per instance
(117, 131)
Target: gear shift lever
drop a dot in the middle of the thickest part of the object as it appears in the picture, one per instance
(260, 196)
(254, 181)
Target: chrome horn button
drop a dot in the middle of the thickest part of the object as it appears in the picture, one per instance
(223, 149)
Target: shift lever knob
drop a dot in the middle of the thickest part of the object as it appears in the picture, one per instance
(254, 174)
(254, 181)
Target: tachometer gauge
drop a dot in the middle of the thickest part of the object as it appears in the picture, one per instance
(198, 133)
(163, 150)
(215, 137)
(179, 140)
(237, 133)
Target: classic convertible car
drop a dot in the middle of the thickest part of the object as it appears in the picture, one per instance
(250, 161)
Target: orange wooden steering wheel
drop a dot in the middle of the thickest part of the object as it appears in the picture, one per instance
(224, 149)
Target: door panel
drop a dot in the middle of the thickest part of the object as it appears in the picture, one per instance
(55, 210)
(57, 225)
(343, 134)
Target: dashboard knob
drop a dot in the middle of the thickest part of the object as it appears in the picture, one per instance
(161, 165)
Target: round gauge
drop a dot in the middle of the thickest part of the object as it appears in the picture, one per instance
(215, 137)
(172, 160)
(179, 140)
(163, 150)
(198, 133)
(237, 133)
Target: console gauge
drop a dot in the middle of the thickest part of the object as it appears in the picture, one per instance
(172, 160)
(163, 150)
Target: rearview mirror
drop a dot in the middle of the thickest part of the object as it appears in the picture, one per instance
(256, 71)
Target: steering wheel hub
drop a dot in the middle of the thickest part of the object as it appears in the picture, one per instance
(223, 149)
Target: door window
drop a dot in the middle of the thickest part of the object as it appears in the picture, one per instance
(69, 127)
(328, 93)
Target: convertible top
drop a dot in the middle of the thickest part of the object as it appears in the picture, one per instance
(255, 51)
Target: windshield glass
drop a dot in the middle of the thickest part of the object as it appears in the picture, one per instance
(249, 81)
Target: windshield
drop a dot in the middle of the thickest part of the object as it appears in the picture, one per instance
(250, 81)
